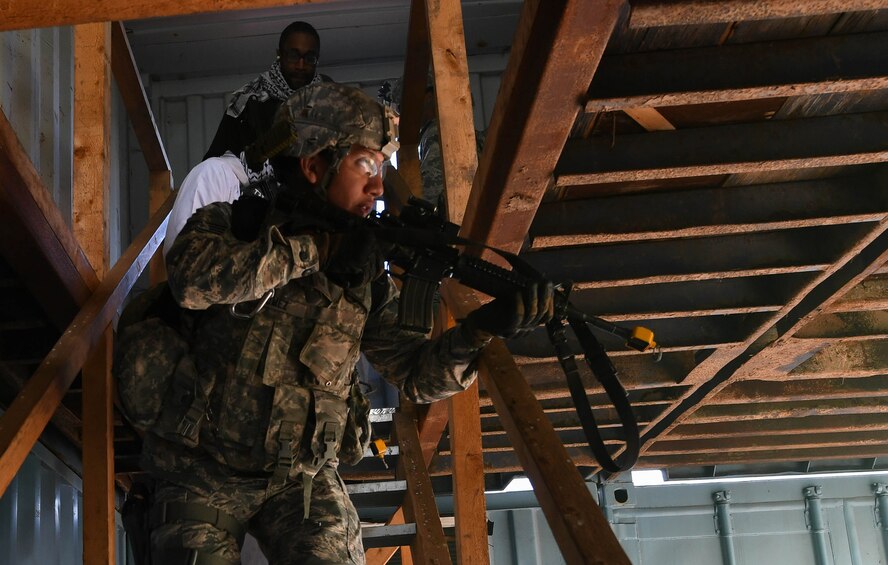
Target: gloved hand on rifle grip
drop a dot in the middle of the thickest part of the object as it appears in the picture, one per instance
(350, 258)
(509, 316)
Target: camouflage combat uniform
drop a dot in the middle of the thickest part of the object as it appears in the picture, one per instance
(272, 401)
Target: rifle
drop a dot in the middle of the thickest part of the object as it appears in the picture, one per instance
(426, 249)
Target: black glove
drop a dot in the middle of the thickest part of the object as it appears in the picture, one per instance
(247, 216)
(351, 258)
(507, 317)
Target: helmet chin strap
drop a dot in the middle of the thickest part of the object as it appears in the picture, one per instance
(324, 187)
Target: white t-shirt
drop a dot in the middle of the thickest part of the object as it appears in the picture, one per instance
(218, 179)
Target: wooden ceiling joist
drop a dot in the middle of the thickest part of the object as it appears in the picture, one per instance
(850, 139)
(825, 423)
(655, 13)
(24, 14)
(704, 212)
(740, 72)
(775, 410)
(668, 260)
(770, 455)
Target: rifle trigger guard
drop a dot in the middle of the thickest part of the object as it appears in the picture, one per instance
(249, 315)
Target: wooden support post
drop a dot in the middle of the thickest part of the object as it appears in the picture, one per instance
(429, 545)
(92, 184)
(99, 528)
(92, 140)
(453, 100)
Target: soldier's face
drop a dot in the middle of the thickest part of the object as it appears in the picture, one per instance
(299, 58)
(357, 185)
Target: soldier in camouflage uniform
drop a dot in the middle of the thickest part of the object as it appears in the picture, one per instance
(266, 405)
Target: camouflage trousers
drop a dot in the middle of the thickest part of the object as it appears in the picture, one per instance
(274, 516)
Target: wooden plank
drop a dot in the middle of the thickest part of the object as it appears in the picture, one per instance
(453, 101)
(853, 358)
(555, 53)
(648, 118)
(708, 211)
(24, 421)
(776, 410)
(877, 449)
(23, 14)
(803, 248)
(92, 142)
(99, 527)
(851, 139)
(870, 294)
(469, 504)
(656, 13)
(36, 240)
(638, 82)
(138, 108)
(799, 390)
(429, 545)
(804, 440)
(825, 423)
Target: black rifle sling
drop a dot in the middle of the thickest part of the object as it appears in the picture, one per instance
(604, 371)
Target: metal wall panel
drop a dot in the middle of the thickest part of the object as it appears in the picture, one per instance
(40, 515)
(37, 97)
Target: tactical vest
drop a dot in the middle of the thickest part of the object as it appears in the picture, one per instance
(275, 394)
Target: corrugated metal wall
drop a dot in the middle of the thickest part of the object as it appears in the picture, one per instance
(822, 520)
(36, 95)
(40, 515)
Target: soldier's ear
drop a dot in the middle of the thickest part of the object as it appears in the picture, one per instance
(313, 168)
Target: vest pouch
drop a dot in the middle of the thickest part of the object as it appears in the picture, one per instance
(356, 436)
(148, 354)
(330, 353)
(330, 415)
(184, 408)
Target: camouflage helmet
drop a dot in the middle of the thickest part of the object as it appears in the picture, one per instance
(327, 115)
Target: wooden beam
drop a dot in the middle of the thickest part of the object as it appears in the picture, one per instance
(453, 102)
(803, 440)
(429, 545)
(850, 358)
(850, 139)
(877, 449)
(99, 527)
(656, 13)
(640, 81)
(126, 73)
(24, 14)
(743, 427)
(92, 142)
(555, 53)
(35, 239)
(22, 424)
(708, 212)
(672, 260)
(870, 294)
(717, 413)
(635, 371)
